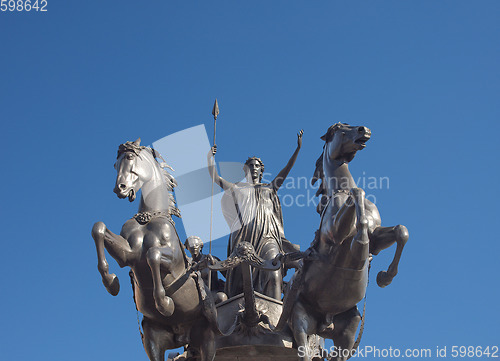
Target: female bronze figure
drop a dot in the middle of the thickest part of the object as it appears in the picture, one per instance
(253, 212)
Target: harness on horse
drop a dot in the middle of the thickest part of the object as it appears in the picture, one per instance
(145, 217)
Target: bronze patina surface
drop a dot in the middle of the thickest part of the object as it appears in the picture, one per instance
(251, 315)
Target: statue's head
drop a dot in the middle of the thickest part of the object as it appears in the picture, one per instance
(194, 244)
(254, 170)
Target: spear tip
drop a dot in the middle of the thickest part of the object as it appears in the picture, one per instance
(215, 110)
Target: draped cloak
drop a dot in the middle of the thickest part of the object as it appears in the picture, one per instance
(253, 213)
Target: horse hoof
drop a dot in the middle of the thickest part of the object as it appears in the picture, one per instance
(383, 279)
(112, 286)
(165, 306)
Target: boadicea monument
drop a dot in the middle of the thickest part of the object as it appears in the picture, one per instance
(251, 315)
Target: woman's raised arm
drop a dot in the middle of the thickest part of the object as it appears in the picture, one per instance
(212, 170)
(280, 178)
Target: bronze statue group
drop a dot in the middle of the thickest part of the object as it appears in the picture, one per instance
(184, 301)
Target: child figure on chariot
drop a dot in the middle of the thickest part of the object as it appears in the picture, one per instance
(194, 244)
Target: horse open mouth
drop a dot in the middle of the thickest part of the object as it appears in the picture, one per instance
(125, 194)
(131, 195)
(362, 140)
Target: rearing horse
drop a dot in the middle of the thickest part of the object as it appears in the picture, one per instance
(176, 306)
(342, 141)
(323, 295)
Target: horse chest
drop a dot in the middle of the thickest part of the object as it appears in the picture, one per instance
(156, 233)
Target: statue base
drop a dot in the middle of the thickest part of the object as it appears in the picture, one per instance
(257, 343)
(257, 353)
(230, 315)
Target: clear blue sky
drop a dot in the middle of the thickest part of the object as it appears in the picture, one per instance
(85, 76)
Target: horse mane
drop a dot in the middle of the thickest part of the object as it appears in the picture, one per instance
(320, 174)
(170, 181)
(319, 171)
(170, 184)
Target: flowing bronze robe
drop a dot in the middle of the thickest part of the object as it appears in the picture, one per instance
(253, 213)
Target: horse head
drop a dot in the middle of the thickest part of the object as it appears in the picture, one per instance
(344, 140)
(133, 169)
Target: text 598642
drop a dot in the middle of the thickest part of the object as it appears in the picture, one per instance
(23, 5)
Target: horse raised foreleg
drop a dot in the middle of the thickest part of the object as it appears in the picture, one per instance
(382, 238)
(117, 247)
(343, 222)
(360, 243)
(338, 220)
(160, 258)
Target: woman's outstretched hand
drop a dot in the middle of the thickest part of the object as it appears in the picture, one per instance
(299, 138)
